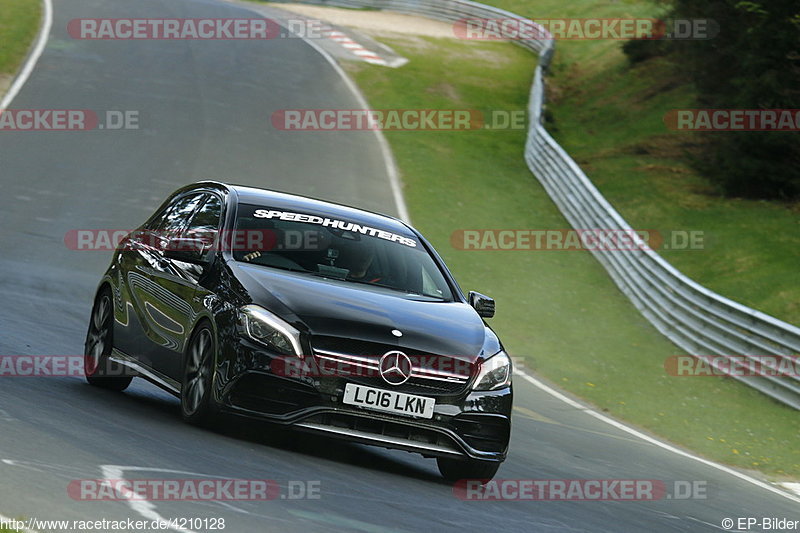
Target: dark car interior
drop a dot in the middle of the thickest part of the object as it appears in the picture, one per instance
(337, 254)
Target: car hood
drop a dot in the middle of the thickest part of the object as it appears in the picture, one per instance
(320, 306)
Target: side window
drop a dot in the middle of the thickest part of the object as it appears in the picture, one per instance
(176, 215)
(429, 288)
(205, 221)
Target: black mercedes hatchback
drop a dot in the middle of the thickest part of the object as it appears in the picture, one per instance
(305, 313)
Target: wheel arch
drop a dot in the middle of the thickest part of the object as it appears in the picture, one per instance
(203, 319)
(198, 323)
(104, 283)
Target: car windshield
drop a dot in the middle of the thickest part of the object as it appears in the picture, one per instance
(337, 249)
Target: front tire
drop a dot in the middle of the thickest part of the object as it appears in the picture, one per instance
(456, 469)
(99, 342)
(197, 405)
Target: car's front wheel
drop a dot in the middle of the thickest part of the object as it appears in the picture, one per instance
(456, 469)
(99, 341)
(197, 405)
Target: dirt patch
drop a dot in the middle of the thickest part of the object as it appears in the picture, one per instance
(666, 146)
(415, 43)
(482, 57)
(445, 89)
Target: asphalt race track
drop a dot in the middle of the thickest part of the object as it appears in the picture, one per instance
(204, 109)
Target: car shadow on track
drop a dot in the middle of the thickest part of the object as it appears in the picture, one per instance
(157, 407)
(327, 448)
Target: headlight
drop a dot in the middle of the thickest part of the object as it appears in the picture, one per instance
(266, 328)
(495, 373)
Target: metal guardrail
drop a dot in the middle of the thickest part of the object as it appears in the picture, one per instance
(696, 319)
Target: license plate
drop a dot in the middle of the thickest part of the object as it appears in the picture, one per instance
(388, 401)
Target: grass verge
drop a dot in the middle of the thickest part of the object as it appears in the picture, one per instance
(19, 23)
(609, 117)
(557, 309)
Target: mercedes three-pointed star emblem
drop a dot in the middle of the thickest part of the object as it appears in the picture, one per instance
(395, 367)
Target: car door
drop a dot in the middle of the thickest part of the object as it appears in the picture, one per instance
(160, 297)
(183, 281)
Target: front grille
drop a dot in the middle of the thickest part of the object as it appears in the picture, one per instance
(358, 362)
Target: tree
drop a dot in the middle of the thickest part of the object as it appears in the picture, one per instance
(752, 63)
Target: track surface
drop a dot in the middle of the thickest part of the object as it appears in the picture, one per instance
(204, 113)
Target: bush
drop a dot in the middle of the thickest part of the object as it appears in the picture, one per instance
(638, 50)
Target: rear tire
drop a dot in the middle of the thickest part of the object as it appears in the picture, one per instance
(97, 368)
(456, 469)
(197, 405)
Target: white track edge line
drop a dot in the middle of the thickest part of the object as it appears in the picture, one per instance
(403, 210)
(647, 438)
(19, 82)
(30, 63)
(388, 158)
(386, 152)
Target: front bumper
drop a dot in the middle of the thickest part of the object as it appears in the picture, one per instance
(471, 424)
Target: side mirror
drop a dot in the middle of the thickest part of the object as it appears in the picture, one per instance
(482, 304)
(186, 250)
